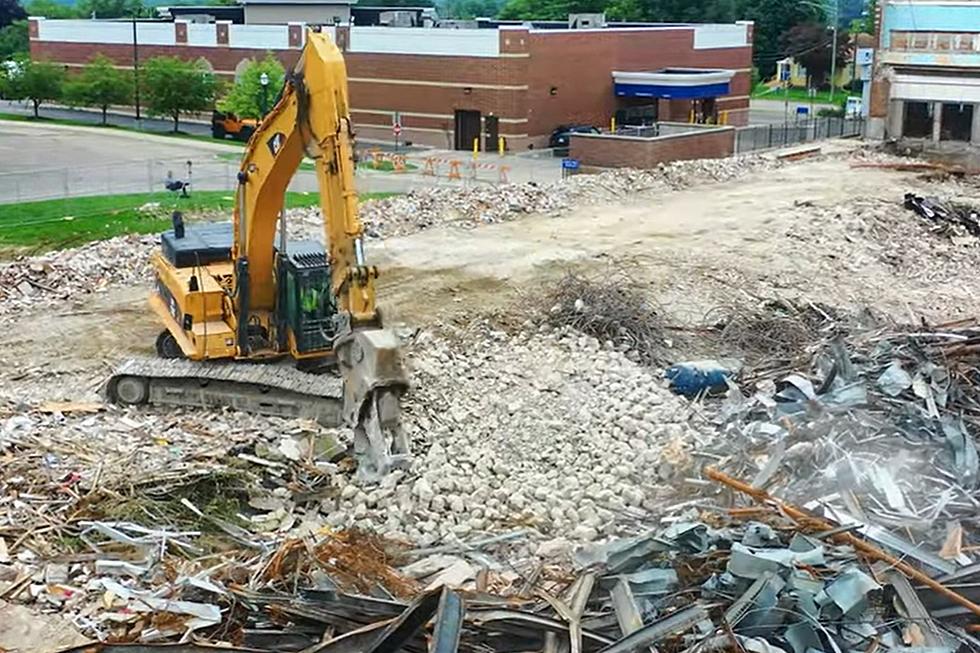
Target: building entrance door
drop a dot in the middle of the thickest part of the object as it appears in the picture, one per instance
(467, 128)
(490, 133)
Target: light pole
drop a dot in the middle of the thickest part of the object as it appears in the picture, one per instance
(833, 51)
(264, 82)
(832, 7)
(136, 71)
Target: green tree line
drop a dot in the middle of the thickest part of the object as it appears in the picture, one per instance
(169, 87)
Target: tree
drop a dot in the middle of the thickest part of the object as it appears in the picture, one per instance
(469, 9)
(772, 19)
(172, 86)
(812, 44)
(99, 84)
(549, 9)
(14, 40)
(51, 9)
(247, 98)
(402, 3)
(866, 23)
(111, 8)
(37, 81)
(10, 11)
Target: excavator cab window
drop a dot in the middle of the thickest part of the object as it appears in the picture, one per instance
(309, 305)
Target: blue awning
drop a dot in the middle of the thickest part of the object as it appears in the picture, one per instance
(672, 92)
(673, 83)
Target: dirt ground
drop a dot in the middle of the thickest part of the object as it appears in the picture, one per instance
(781, 232)
(785, 232)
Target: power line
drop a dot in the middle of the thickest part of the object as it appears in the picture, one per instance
(777, 57)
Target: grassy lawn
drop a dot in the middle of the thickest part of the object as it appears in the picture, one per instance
(82, 123)
(383, 166)
(365, 164)
(799, 94)
(236, 158)
(55, 224)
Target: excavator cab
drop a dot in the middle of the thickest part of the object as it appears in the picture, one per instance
(306, 307)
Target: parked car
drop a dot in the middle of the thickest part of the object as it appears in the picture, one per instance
(560, 137)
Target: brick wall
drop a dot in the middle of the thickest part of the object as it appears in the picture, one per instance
(222, 59)
(603, 151)
(516, 87)
(579, 66)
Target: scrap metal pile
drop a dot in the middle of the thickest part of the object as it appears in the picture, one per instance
(880, 431)
(949, 218)
(779, 581)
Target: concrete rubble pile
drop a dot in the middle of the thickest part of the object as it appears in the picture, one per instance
(881, 241)
(70, 274)
(426, 208)
(512, 429)
(538, 510)
(52, 278)
(562, 498)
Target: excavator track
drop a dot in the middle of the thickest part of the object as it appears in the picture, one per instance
(269, 389)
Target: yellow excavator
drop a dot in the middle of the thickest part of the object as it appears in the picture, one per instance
(244, 291)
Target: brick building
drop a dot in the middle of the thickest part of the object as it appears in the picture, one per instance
(449, 86)
(926, 82)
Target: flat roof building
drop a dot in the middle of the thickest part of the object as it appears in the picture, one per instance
(926, 82)
(447, 87)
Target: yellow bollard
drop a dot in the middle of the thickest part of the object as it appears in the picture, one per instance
(500, 146)
(476, 148)
(612, 125)
(690, 118)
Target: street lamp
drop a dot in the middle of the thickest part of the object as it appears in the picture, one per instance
(264, 81)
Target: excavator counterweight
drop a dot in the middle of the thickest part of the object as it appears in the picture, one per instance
(244, 292)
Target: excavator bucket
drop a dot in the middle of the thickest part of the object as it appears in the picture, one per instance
(374, 380)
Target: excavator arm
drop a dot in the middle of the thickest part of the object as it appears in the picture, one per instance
(312, 119)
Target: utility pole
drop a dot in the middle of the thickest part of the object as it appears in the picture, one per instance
(832, 7)
(833, 52)
(136, 70)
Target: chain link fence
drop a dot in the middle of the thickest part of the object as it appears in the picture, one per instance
(132, 176)
(762, 137)
(218, 172)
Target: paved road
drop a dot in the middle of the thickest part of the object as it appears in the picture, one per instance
(47, 161)
(115, 118)
(194, 126)
(765, 112)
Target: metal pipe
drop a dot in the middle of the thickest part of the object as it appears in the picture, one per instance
(359, 251)
(799, 515)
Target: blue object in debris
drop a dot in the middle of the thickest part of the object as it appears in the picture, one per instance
(694, 377)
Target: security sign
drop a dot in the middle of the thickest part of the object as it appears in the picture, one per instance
(396, 129)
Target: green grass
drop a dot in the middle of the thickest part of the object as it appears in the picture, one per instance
(383, 166)
(17, 117)
(236, 158)
(798, 94)
(56, 224)
(81, 123)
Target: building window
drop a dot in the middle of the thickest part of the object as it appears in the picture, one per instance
(917, 122)
(957, 122)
